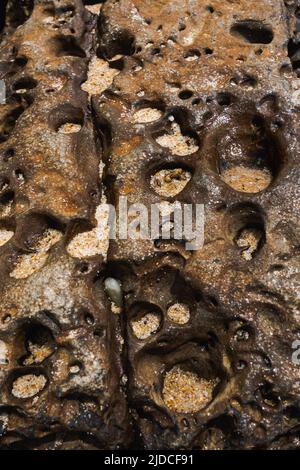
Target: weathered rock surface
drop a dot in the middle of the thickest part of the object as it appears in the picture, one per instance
(159, 101)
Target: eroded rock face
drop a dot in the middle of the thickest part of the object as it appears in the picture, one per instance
(137, 343)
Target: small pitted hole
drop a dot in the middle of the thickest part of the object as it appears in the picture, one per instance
(246, 81)
(259, 51)
(267, 396)
(24, 84)
(249, 240)
(241, 365)
(99, 333)
(17, 13)
(27, 264)
(197, 101)
(84, 268)
(122, 42)
(224, 99)
(4, 184)
(179, 313)
(250, 162)
(21, 61)
(241, 335)
(3, 353)
(148, 21)
(185, 94)
(179, 142)
(207, 115)
(39, 344)
(253, 31)
(186, 392)
(145, 320)
(69, 128)
(170, 182)
(210, 9)
(67, 46)
(293, 53)
(155, 51)
(19, 175)
(6, 319)
(181, 27)
(8, 122)
(66, 119)
(8, 154)
(75, 368)
(246, 228)
(192, 54)
(208, 51)
(6, 201)
(28, 385)
(146, 326)
(89, 318)
(147, 114)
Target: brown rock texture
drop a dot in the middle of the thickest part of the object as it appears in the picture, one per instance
(142, 344)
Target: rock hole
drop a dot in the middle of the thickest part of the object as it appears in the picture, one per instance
(28, 385)
(8, 154)
(6, 202)
(185, 391)
(24, 84)
(145, 320)
(15, 13)
(21, 61)
(179, 313)
(253, 31)
(66, 119)
(185, 94)
(177, 136)
(8, 122)
(192, 54)
(170, 181)
(224, 99)
(294, 53)
(39, 344)
(67, 46)
(40, 242)
(121, 43)
(147, 114)
(246, 229)
(251, 157)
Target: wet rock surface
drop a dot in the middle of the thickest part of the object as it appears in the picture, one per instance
(108, 344)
